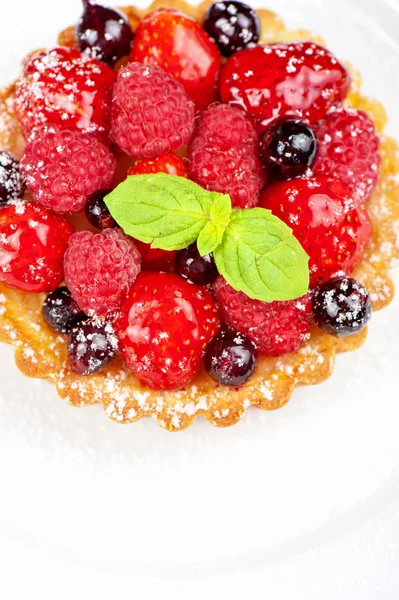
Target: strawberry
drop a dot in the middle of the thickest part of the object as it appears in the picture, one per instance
(164, 328)
(178, 44)
(64, 87)
(167, 163)
(300, 79)
(33, 241)
(333, 228)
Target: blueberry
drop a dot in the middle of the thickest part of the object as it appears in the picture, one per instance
(230, 358)
(61, 312)
(341, 306)
(195, 268)
(97, 212)
(92, 345)
(11, 183)
(288, 149)
(233, 25)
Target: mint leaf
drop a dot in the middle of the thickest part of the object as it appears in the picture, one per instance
(260, 256)
(212, 234)
(166, 211)
(221, 208)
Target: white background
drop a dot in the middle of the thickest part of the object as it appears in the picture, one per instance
(301, 503)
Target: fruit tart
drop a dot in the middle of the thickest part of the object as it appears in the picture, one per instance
(198, 211)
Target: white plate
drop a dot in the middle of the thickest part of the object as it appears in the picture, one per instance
(291, 500)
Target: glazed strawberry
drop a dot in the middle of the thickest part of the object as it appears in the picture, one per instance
(223, 155)
(151, 112)
(349, 149)
(100, 268)
(300, 79)
(333, 228)
(275, 328)
(155, 259)
(164, 328)
(167, 163)
(33, 241)
(178, 44)
(63, 168)
(64, 87)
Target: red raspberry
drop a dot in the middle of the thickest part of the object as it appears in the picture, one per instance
(100, 268)
(301, 79)
(155, 259)
(64, 87)
(223, 155)
(33, 241)
(164, 328)
(151, 112)
(179, 45)
(63, 168)
(332, 227)
(349, 149)
(275, 328)
(167, 163)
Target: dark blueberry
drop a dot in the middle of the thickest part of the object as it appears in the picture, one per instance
(92, 345)
(230, 358)
(288, 149)
(11, 183)
(61, 312)
(97, 212)
(104, 33)
(341, 306)
(233, 25)
(195, 268)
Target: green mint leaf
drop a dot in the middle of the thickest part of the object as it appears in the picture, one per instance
(210, 238)
(166, 211)
(221, 208)
(260, 256)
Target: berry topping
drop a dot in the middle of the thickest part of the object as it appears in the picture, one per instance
(65, 87)
(92, 345)
(33, 241)
(288, 149)
(332, 227)
(198, 269)
(155, 259)
(104, 33)
(64, 168)
(341, 306)
(223, 155)
(11, 184)
(275, 328)
(349, 150)
(164, 328)
(97, 212)
(230, 358)
(167, 163)
(100, 268)
(300, 79)
(61, 312)
(151, 112)
(178, 44)
(233, 25)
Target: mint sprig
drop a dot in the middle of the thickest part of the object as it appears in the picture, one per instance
(255, 251)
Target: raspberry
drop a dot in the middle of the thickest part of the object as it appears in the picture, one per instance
(155, 259)
(33, 241)
(100, 268)
(180, 46)
(223, 155)
(333, 228)
(151, 112)
(64, 168)
(349, 149)
(300, 79)
(164, 328)
(167, 163)
(274, 328)
(64, 87)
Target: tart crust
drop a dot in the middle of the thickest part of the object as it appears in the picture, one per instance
(41, 353)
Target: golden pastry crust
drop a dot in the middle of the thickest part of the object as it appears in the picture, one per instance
(42, 353)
